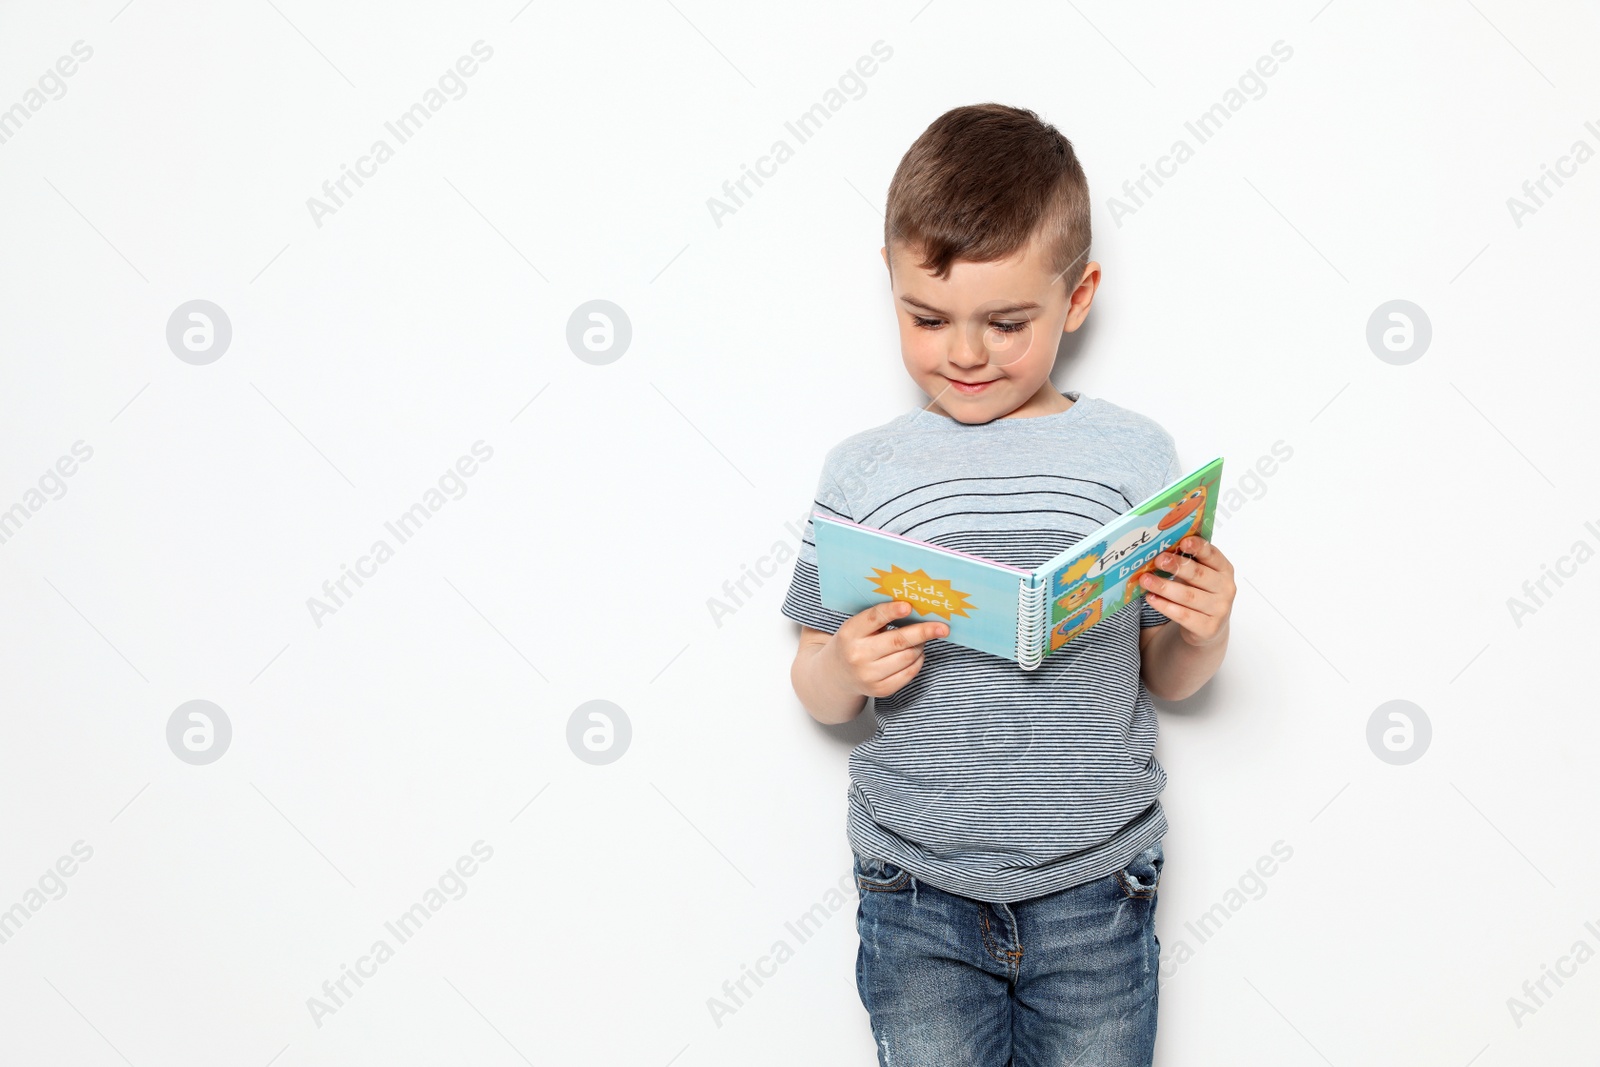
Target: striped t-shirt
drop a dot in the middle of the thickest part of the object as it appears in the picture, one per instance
(983, 779)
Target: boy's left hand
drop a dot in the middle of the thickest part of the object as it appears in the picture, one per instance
(1201, 598)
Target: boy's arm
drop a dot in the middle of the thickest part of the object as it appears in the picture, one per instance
(817, 686)
(1173, 668)
(1175, 661)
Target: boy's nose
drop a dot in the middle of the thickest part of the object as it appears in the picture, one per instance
(968, 350)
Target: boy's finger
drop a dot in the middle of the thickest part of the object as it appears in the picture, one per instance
(1192, 571)
(909, 636)
(875, 618)
(1203, 551)
(1186, 593)
(899, 678)
(1178, 613)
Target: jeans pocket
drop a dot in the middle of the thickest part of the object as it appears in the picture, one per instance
(1142, 874)
(880, 876)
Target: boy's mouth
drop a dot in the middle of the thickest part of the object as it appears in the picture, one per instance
(968, 388)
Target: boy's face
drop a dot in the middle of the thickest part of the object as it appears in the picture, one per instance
(982, 342)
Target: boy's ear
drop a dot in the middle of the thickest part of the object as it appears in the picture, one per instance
(884, 252)
(1081, 297)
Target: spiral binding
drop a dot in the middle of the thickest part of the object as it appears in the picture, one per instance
(1030, 624)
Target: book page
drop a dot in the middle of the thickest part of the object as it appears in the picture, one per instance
(858, 567)
(1095, 578)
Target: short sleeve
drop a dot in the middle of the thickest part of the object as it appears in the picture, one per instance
(803, 602)
(1149, 616)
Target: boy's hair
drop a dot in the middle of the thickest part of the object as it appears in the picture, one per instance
(981, 181)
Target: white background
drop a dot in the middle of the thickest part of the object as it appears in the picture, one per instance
(431, 710)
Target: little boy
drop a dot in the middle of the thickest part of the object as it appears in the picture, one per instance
(1005, 823)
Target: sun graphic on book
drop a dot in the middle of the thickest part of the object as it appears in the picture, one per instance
(1077, 570)
(927, 596)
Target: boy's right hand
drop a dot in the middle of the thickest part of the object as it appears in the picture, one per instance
(874, 659)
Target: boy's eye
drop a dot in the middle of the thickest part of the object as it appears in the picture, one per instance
(1001, 326)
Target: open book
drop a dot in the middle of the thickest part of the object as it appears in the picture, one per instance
(1007, 611)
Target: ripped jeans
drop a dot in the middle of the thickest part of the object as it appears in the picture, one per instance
(1065, 978)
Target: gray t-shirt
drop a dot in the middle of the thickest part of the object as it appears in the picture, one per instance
(983, 779)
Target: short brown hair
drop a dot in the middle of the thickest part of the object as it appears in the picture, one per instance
(979, 182)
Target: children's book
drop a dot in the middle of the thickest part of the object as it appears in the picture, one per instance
(1007, 611)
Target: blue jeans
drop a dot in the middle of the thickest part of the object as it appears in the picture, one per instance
(1068, 978)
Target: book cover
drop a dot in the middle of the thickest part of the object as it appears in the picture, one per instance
(1098, 576)
(858, 566)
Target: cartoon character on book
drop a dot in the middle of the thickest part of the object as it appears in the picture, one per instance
(1191, 508)
(1068, 628)
(1081, 594)
(1183, 519)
